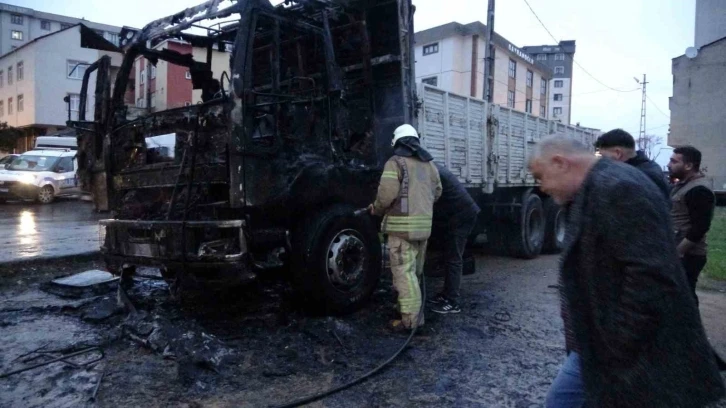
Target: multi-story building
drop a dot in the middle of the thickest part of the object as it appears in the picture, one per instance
(559, 58)
(710, 21)
(37, 76)
(166, 85)
(451, 57)
(699, 93)
(21, 25)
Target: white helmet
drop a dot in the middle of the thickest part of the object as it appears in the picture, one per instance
(403, 131)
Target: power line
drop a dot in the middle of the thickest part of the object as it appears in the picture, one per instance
(657, 127)
(657, 108)
(572, 58)
(563, 97)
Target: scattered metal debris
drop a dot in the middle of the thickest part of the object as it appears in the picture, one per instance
(55, 360)
(98, 386)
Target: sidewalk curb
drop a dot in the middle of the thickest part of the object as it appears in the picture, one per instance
(79, 257)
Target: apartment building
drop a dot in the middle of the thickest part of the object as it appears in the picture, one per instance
(168, 86)
(37, 76)
(21, 25)
(699, 93)
(451, 57)
(559, 58)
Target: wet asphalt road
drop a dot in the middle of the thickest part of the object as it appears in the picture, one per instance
(503, 350)
(30, 230)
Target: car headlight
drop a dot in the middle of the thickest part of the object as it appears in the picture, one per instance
(27, 178)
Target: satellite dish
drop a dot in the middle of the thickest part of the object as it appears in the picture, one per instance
(691, 52)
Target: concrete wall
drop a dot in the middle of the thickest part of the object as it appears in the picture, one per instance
(51, 81)
(697, 108)
(710, 21)
(220, 64)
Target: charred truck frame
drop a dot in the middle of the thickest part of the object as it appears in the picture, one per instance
(269, 167)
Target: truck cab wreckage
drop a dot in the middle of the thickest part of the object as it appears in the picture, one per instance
(268, 168)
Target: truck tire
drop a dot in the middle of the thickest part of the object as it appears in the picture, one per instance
(525, 236)
(336, 260)
(554, 240)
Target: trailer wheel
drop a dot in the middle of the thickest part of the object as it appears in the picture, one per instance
(526, 235)
(336, 260)
(554, 240)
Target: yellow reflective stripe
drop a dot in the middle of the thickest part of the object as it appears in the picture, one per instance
(409, 217)
(411, 298)
(395, 228)
(390, 175)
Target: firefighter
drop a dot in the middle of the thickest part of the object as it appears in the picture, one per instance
(407, 191)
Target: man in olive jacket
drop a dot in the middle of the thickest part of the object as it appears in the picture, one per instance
(633, 333)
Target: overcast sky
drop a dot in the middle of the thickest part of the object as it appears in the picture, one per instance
(616, 41)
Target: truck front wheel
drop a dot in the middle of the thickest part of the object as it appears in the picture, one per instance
(336, 260)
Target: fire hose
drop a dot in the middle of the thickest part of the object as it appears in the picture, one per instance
(371, 373)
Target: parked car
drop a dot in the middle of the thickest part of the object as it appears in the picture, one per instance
(40, 175)
(7, 160)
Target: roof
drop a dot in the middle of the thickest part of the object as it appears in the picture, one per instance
(50, 152)
(42, 15)
(566, 46)
(89, 39)
(711, 44)
(476, 28)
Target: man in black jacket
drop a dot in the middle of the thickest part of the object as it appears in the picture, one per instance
(455, 214)
(633, 333)
(619, 145)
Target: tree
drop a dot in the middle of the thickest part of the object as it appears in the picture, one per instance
(8, 137)
(648, 144)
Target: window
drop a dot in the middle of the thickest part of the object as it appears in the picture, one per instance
(530, 78)
(140, 103)
(76, 69)
(431, 49)
(559, 69)
(558, 83)
(558, 97)
(21, 70)
(99, 32)
(541, 57)
(10, 106)
(543, 86)
(2, 108)
(187, 103)
(16, 35)
(45, 25)
(111, 37)
(152, 102)
(512, 68)
(188, 75)
(16, 19)
(143, 76)
(74, 102)
(21, 104)
(510, 99)
(434, 81)
(557, 111)
(153, 72)
(65, 163)
(10, 75)
(528, 106)
(542, 111)
(559, 57)
(2, 78)
(65, 25)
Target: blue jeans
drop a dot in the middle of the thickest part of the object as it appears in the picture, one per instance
(568, 390)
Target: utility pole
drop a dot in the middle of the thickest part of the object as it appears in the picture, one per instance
(641, 134)
(488, 51)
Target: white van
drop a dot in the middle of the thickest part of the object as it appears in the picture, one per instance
(56, 142)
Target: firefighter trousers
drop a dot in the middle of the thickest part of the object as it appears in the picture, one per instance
(407, 263)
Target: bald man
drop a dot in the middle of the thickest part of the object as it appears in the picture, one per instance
(633, 334)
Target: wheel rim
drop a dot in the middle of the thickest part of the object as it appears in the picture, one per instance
(534, 227)
(560, 227)
(347, 260)
(45, 195)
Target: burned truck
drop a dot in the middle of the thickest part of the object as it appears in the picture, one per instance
(268, 166)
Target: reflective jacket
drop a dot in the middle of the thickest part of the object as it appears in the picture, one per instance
(406, 195)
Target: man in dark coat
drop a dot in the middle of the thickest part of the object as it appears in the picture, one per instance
(619, 145)
(633, 333)
(455, 213)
